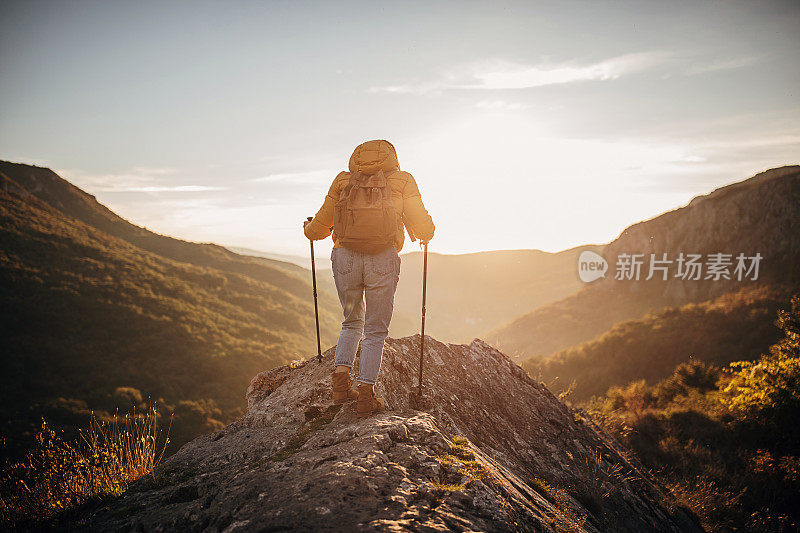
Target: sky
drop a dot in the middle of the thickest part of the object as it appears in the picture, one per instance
(540, 125)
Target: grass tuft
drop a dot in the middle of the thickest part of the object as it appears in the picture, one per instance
(56, 476)
(543, 488)
(468, 468)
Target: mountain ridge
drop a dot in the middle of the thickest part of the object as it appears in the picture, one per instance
(761, 214)
(46, 185)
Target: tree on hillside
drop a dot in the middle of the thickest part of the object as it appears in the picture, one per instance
(767, 391)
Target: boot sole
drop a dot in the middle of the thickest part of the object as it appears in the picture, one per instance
(373, 412)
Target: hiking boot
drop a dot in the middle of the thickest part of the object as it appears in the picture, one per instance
(368, 404)
(342, 391)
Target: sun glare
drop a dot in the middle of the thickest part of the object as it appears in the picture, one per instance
(543, 190)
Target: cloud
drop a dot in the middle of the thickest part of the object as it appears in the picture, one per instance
(500, 105)
(139, 179)
(298, 177)
(509, 75)
(154, 171)
(514, 76)
(723, 64)
(414, 88)
(177, 188)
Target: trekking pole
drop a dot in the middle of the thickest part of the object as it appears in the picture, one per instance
(314, 283)
(422, 337)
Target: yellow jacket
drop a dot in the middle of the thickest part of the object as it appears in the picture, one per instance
(369, 158)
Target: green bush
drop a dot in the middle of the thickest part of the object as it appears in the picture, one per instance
(767, 391)
(726, 443)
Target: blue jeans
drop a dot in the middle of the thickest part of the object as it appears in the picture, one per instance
(360, 277)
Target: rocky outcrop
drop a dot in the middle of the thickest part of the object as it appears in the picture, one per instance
(760, 215)
(486, 449)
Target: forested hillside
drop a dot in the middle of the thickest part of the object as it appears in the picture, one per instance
(734, 327)
(98, 314)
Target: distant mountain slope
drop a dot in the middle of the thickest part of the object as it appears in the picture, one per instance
(734, 327)
(70, 200)
(323, 262)
(92, 303)
(758, 215)
(470, 294)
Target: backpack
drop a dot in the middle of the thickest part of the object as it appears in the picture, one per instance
(364, 217)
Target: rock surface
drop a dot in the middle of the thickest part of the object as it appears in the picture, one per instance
(486, 449)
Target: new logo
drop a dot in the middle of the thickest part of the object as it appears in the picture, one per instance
(591, 266)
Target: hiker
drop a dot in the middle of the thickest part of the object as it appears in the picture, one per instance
(367, 209)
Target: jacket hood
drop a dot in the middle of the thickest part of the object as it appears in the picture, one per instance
(372, 156)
